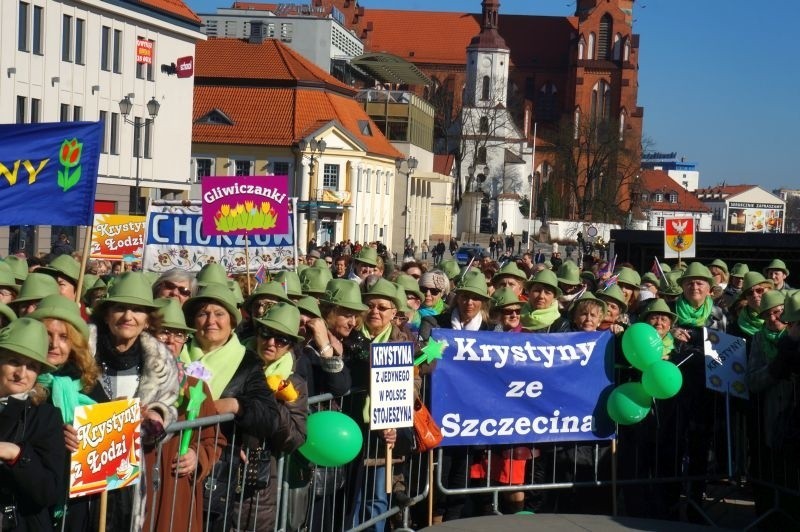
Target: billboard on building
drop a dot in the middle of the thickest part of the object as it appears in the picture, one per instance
(746, 217)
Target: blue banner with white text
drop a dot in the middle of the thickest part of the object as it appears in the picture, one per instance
(513, 388)
(48, 173)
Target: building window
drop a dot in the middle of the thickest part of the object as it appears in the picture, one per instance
(66, 38)
(358, 184)
(330, 177)
(64, 114)
(601, 101)
(22, 26)
(355, 233)
(644, 196)
(243, 167)
(617, 53)
(581, 48)
(366, 180)
(590, 47)
(114, 139)
(660, 221)
(481, 156)
(36, 110)
(547, 103)
(626, 50)
(105, 48)
(118, 51)
(280, 168)
(22, 109)
(148, 138)
(378, 182)
(485, 87)
(484, 124)
(387, 183)
(203, 168)
(286, 32)
(621, 124)
(659, 197)
(604, 37)
(77, 113)
(38, 21)
(576, 123)
(80, 40)
(104, 138)
(672, 197)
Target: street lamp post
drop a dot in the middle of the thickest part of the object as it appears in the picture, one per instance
(315, 148)
(125, 107)
(411, 165)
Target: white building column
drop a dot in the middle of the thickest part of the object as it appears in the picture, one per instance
(302, 224)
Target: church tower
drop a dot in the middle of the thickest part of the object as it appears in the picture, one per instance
(487, 62)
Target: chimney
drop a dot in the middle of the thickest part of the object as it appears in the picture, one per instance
(256, 32)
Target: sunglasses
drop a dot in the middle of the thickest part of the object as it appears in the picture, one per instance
(758, 290)
(280, 341)
(182, 290)
(380, 308)
(511, 311)
(433, 291)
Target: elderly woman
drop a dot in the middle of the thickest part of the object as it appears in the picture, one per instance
(235, 378)
(616, 318)
(747, 320)
(176, 283)
(32, 474)
(510, 276)
(506, 310)
(541, 313)
(257, 304)
(133, 364)
(587, 312)
(434, 286)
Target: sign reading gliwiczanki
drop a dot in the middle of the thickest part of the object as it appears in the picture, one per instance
(506, 388)
(245, 205)
(175, 239)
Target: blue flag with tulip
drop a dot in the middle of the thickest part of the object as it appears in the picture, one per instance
(48, 172)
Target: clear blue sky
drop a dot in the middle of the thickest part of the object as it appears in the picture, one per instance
(718, 80)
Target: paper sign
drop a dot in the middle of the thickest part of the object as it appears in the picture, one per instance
(245, 205)
(726, 363)
(109, 449)
(116, 235)
(679, 238)
(391, 397)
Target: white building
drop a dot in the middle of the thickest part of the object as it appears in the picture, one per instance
(744, 209)
(679, 170)
(317, 33)
(660, 198)
(75, 60)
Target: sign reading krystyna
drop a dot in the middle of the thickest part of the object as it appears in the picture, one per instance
(499, 388)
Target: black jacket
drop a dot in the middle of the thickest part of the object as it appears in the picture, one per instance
(258, 409)
(36, 480)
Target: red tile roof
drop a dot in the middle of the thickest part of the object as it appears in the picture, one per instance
(443, 164)
(177, 8)
(271, 60)
(723, 190)
(274, 97)
(653, 181)
(255, 6)
(418, 36)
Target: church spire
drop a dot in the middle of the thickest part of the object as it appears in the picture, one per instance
(489, 37)
(491, 8)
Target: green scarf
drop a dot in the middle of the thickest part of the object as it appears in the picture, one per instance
(282, 366)
(435, 310)
(66, 394)
(533, 320)
(749, 322)
(220, 364)
(667, 345)
(769, 342)
(690, 316)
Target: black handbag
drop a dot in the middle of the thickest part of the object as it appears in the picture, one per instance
(232, 478)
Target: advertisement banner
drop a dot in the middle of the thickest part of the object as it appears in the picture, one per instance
(48, 173)
(679, 238)
(115, 236)
(175, 239)
(245, 205)
(494, 388)
(391, 390)
(726, 363)
(109, 449)
(755, 218)
(144, 51)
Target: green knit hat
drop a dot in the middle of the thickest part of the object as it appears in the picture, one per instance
(61, 308)
(719, 263)
(588, 296)
(650, 277)
(367, 255)
(752, 279)
(669, 285)
(547, 278)
(505, 297)
(271, 289)
(236, 290)
(7, 280)
(172, 314)
(130, 288)
(776, 264)
(63, 266)
(614, 293)
(213, 272)
(791, 309)
(37, 286)
(510, 269)
(401, 298)
(474, 282)
(282, 318)
(320, 264)
(450, 268)
(27, 337)
(216, 293)
(629, 277)
(770, 300)
(569, 273)
(308, 305)
(386, 290)
(291, 280)
(314, 280)
(7, 312)
(18, 266)
(344, 293)
(657, 306)
(739, 270)
(410, 285)
(697, 270)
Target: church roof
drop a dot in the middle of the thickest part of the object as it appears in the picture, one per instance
(658, 181)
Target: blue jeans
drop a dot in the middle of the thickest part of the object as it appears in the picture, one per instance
(371, 499)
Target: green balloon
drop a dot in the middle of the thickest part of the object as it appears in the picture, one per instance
(641, 345)
(332, 439)
(662, 379)
(628, 403)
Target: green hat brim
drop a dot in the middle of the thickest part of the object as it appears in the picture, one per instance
(278, 327)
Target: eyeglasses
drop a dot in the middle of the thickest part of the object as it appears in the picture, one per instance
(511, 311)
(264, 304)
(433, 291)
(758, 290)
(5, 292)
(380, 308)
(328, 262)
(182, 290)
(280, 341)
(165, 334)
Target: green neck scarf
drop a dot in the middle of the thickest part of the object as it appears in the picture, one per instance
(533, 320)
(282, 366)
(435, 310)
(216, 367)
(66, 394)
(667, 345)
(770, 342)
(380, 338)
(690, 316)
(749, 322)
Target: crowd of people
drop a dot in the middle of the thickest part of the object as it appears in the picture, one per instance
(260, 351)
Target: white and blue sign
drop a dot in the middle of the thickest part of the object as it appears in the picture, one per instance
(513, 388)
(391, 395)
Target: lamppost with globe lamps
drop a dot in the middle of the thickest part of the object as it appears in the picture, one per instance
(125, 107)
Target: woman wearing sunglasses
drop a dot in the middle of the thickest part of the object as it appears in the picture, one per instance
(434, 286)
(176, 283)
(746, 320)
